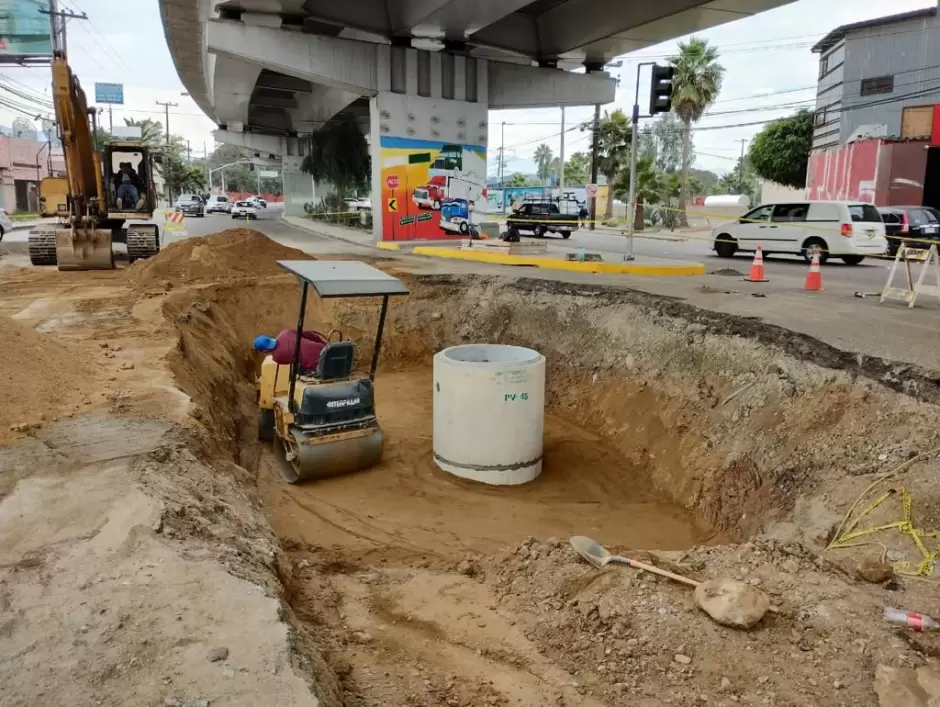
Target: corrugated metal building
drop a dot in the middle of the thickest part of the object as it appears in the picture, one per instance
(878, 78)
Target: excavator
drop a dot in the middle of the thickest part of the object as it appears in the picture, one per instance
(93, 215)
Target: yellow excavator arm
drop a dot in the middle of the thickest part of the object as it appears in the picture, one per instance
(88, 198)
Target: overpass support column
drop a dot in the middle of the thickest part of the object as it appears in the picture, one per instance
(428, 135)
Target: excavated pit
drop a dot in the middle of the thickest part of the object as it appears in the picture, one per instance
(712, 445)
(666, 428)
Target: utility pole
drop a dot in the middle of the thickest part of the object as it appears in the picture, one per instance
(741, 167)
(595, 146)
(167, 105)
(502, 160)
(634, 148)
(561, 157)
(57, 20)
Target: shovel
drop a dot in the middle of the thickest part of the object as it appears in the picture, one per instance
(597, 555)
(728, 602)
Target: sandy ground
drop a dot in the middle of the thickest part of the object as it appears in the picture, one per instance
(151, 555)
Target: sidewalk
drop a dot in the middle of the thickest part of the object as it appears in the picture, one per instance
(553, 259)
(32, 223)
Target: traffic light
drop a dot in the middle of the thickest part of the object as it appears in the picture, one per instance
(661, 89)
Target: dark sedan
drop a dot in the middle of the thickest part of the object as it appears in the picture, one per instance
(912, 225)
(191, 205)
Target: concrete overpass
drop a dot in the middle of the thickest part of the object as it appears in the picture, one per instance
(271, 71)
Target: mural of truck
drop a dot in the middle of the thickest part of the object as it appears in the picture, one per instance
(440, 188)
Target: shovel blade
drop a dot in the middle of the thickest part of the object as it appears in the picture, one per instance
(590, 550)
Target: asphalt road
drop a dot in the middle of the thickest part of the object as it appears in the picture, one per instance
(869, 276)
(835, 316)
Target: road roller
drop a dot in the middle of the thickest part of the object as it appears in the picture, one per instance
(324, 420)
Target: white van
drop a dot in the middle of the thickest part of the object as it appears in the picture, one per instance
(841, 229)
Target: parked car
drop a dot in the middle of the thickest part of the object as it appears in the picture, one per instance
(843, 229)
(191, 205)
(245, 209)
(262, 202)
(6, 223)
(539, 218)
(920, 223)
(218, 204)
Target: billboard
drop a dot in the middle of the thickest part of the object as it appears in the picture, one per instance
(108, 92)
(25, 32)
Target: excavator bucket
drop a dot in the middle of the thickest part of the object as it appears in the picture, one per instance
(80, 249)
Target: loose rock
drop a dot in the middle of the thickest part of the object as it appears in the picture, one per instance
(217, 654)
(875, 572)
(732, 603)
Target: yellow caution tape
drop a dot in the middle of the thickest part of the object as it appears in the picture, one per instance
(905, 526)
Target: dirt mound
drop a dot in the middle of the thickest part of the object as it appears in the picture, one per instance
(629, 636)
(237, 252)
(37, 373)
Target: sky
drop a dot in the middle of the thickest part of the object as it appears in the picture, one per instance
(767, 58)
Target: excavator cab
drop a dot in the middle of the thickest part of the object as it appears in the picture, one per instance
(128, 173)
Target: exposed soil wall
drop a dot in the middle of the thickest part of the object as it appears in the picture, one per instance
(728, 417)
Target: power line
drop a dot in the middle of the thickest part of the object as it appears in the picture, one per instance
(106, 46)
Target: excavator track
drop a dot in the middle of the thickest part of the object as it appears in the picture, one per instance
(42, 247)
(142, 242)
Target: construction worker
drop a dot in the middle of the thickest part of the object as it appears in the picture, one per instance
(282, 348)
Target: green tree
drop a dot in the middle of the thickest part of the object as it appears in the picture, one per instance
(613, 149)
(668, 133)
(339, 155)
(646, 146)
(102, 137)
(780, 152)
(180, 176)
(742, 180)
(517, 179)
(238, 177)
(578, 169)
(543, 159)
(695, 87)
(151, 131)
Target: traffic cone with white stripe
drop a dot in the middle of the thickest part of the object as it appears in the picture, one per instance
(814, 276)
(757, 268)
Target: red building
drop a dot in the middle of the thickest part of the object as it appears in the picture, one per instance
(880, 171)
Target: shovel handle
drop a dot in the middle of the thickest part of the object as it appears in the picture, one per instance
(636, 564)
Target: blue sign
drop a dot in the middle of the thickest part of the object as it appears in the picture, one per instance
(109, 93)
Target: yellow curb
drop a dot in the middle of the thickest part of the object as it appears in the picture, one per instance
(570, 265)
(387, 246)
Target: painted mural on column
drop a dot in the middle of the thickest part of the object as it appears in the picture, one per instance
(431, 189)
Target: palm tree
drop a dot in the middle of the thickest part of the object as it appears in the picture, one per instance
(543, 158)
(613, 149)
(151, 131)
(695, 86)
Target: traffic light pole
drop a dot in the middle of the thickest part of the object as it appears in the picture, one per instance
(634, 139)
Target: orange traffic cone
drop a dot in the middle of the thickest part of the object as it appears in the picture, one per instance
(757, 268)
(814, 276)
